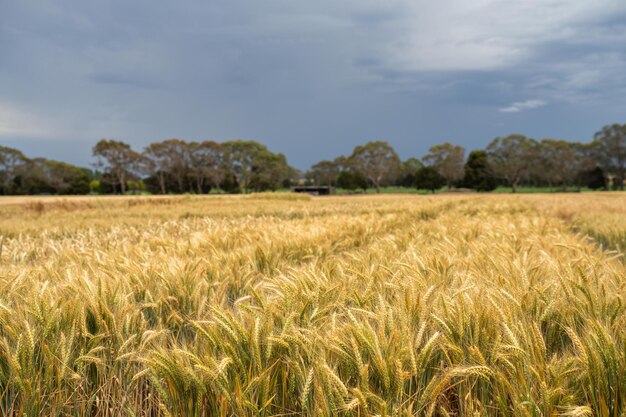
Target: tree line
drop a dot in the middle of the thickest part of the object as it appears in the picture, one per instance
(169, 166)
(178, 166)
(514, 160)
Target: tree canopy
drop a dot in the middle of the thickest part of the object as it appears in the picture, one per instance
(610, 146)
(428, 178)
(510, 158)
(376, 161)
(117, 159)
(448, 160)
(477, 173)
(176, 165)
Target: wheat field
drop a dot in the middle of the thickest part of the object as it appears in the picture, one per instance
(286, 305)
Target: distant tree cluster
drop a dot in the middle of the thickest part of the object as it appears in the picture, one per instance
(169, 166)
(22, 175)
(178, 166)
(514, 161)
(601, 163)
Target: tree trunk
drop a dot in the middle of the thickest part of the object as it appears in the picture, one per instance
(161, 182)
(376, 182)
(123, 184)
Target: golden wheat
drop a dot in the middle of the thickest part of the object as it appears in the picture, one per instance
(274, 305)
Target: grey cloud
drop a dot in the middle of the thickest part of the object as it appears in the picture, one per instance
(367, 62)
(311, 79)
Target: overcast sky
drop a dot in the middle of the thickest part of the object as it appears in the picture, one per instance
(310, 79)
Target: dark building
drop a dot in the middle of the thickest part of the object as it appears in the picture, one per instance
(313, 189)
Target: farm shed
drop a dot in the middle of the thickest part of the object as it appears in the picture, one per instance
(313, 189)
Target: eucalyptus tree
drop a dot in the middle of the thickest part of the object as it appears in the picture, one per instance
(324, 173)
(376, 161)
(155, 163)
(117, 159)
(240, 156)
(207, 164)
(511, 158)
(408, 169)
(270, 171)
(557, 162)
(11, 160)
(448, 160)
(610, 145)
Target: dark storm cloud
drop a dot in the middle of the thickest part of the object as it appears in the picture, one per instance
(310, 79)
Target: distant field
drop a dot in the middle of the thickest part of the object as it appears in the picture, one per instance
(290, 305)
(501, 189)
